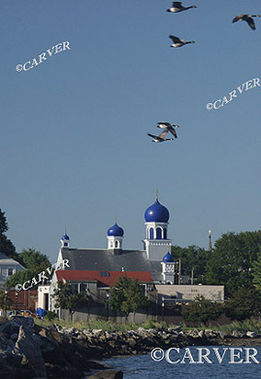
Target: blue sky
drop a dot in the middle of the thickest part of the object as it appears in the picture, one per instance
(73, 145)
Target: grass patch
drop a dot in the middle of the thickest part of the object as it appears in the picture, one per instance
(241, 326)
(104, 325)
(251, 325)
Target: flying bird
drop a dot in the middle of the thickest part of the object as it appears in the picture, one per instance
(178, 7)
(161, 137)
(248, 18)
(177, 42)
(169, 127)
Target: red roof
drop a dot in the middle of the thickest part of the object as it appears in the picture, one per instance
(108, 278)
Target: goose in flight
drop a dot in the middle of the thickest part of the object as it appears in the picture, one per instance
(177, 42)
(161, 137)
(248, 18)
(169, 127)
(178, 7)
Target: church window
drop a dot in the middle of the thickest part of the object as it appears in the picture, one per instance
(158, 233)
(165, 233)
(151, 234)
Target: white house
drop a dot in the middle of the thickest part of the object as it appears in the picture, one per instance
(8, 267)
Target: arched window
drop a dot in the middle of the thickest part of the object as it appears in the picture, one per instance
(165, 233)
(116, 243)
(151, 234)
(158, 233)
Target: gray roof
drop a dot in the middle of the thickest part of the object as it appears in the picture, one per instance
(105, 260)
(5, 260)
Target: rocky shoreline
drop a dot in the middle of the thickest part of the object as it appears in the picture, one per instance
(30, 351)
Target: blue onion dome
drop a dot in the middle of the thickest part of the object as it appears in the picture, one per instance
(156, 213)
(115, 231)
(168, 258)
(65, 237)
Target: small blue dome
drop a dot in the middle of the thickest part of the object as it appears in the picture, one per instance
(168, 258)
(65, 237)
(156, 213)
(115, 231)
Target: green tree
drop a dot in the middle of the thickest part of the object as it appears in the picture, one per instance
(5, 301)
(66, 298)
(127, 296)
(6, 246)
(31, 258)
(257, 272)
(192, 258)
(202, 310)
(243, 304)
(232, 260)
(3, 222)
(34, 262)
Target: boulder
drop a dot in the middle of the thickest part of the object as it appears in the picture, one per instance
(97, 331)
(107, 374)
(237, 334)
(251, 334)
(14, 336)
(27, 322)
(29, 348)
(6, 343)
(222, 334)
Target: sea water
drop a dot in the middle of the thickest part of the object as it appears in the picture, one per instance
(144, 367)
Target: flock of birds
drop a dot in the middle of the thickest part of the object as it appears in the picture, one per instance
(178, 7)
(177, 42)
(167, 128)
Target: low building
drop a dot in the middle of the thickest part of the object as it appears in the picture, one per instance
(23, 300)
(8, 267)
(185, 293)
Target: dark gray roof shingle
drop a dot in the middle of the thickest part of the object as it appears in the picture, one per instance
(105, 260)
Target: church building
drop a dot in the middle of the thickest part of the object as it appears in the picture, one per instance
(98, 269)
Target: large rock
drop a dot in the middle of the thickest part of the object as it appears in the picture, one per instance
(29, 348)
(237, 334)
(9, 328)
(27, 322)
(251, 334)
(107, 374)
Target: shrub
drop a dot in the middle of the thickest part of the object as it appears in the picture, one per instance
(243, 304)
(51, 315)
(202, 310)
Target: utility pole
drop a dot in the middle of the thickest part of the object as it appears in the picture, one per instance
(209, 241)
(162, 307)
(16, 295)
(179, 274)
(5, 304)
